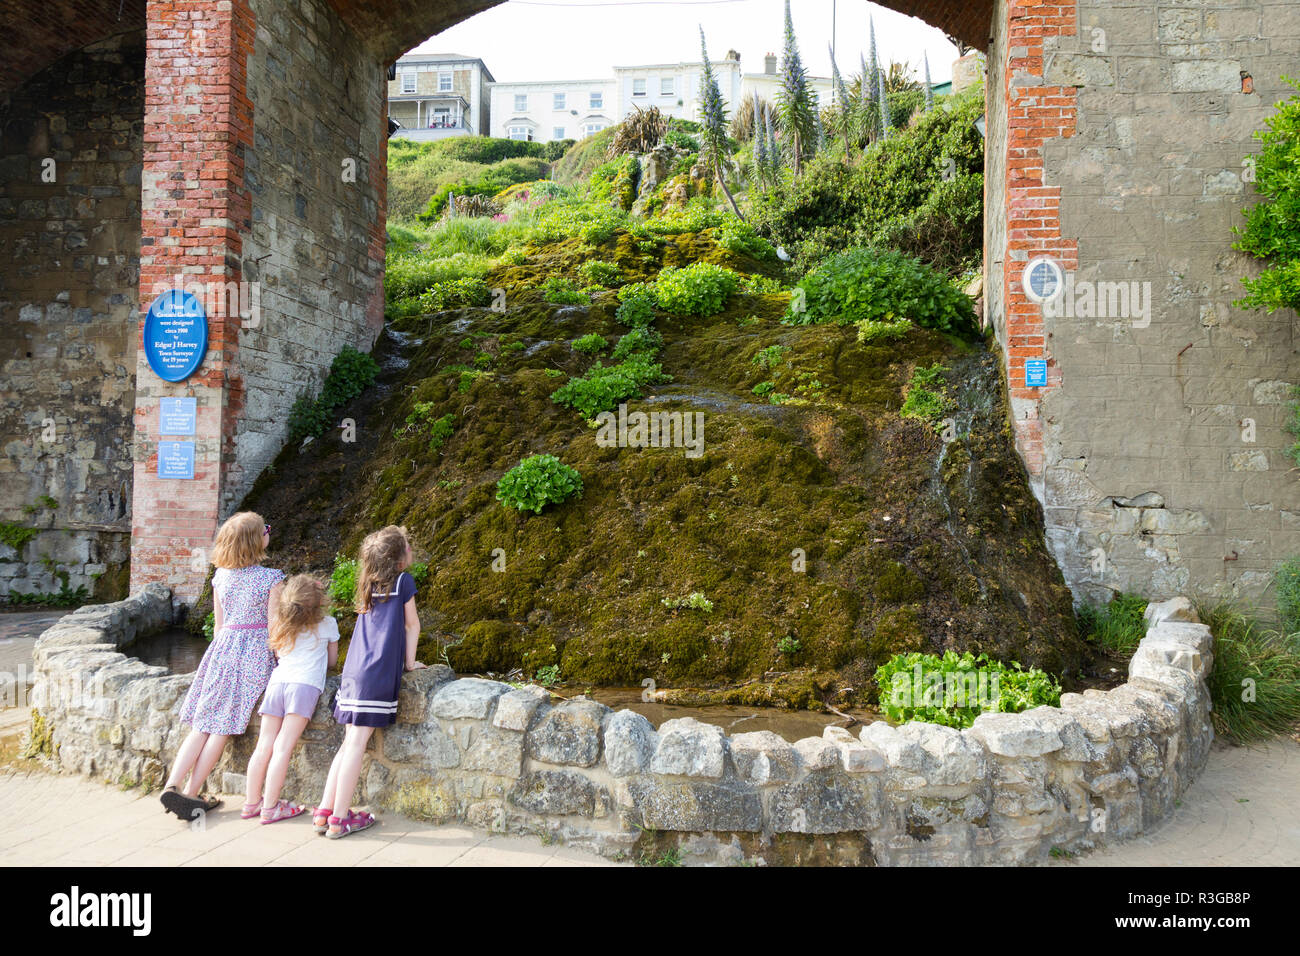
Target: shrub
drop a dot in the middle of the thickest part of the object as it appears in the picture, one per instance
(615, 181)
(486, 181)
(953, 690)
(591, 343)
(880, 285)
(636, 305)
(456, 294)
(698, 289)
(600, 272)
(407, 276)
(641, 339)
(538, 481)
(343, 582)
(561, 291)
(740, 238)
(350, 374)
(1272, 228)
(1118, 627)
(603, 388)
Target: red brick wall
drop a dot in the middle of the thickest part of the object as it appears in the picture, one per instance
(197, 123)
(1036, 113)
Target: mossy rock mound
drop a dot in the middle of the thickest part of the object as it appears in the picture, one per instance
(826, 523)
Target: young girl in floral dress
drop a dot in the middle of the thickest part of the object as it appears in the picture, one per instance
(236, 666)
(382, 647)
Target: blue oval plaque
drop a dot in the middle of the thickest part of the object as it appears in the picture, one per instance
(175, 335)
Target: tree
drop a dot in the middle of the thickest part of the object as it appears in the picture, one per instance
(713, 138)
(798, 113)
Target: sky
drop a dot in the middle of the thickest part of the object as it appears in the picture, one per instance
(584, 39)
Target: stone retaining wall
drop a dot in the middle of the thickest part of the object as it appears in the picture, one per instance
(1102, 767)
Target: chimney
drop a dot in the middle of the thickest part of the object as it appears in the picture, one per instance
(769, 63)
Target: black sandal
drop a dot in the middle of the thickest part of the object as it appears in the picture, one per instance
(174, 801)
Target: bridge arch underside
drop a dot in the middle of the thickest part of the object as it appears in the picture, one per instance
(1114, 144)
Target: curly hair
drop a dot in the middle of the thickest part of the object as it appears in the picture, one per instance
(300, 608)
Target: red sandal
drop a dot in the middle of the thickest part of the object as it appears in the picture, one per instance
(284, 810)
(320, 819)
(250, 810)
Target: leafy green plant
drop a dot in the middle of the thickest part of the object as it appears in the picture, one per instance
(453, 294)
(925, 397)
(769, 357)
(15, 535)
(789, 645)
(419, 573)
(880, 285)
(350, 374)
(561, 291)
(343, 582)
(698, 289)
(872, 332)
(694, 601)
(603, 388)
(1118, 627)
(763, 388)
(600, 272)
(1272, 230)
(548, 676)
(590, 343)
(538, 481)
(641, 340)
(953, 690)
(636, 305)
(1286, 582)
(438, 429)
(210, 626)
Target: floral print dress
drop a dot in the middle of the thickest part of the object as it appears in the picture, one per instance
(237, 665)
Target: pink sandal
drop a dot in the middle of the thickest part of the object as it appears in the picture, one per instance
(320, 819)
(352, 823)
(250, 810)
(284, 810)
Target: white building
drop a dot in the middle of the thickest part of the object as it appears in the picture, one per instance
(436, 95)
(544, 110)
(675, 87)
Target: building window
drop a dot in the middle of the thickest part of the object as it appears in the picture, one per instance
(557, 101)
(557, 132)
(638, 87)
(521, 132)
(521, 102)
(591, 128)
(408, 82)
(444, 82)
(597, 101)
(666, 86)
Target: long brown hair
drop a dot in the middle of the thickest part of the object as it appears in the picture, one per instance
(239, 542)
(383, 559)
(300, 608)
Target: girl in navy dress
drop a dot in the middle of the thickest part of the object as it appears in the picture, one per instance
(382, 648)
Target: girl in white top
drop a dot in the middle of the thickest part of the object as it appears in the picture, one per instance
(305, 641)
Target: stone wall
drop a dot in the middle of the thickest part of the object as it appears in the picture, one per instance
(1102, 767)
(1159, 448)
(70, 148)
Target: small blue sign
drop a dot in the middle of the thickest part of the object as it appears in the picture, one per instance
(1035, 373)
(175, 335)
(176, 459)
(176, 416)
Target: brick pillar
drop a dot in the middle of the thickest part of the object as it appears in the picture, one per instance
(197, 124)
(1036, 113)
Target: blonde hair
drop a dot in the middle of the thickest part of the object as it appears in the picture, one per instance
(383, 559)
(300, 608)
(239, 542)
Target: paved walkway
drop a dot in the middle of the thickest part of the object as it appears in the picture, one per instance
(70, 821)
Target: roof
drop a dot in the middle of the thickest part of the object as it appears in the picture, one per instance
(445, 58)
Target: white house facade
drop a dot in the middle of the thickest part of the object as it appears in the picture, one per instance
(675, 88)
(545, 110)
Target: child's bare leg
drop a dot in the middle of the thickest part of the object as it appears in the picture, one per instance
(207, 759)
(349, 767)
(185, 758)
(261, 757)
(290, 730)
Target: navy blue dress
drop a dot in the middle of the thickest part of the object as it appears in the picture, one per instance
(372, 673)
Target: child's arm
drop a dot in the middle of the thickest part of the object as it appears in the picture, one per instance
(412, 635)
(333, 654)
(217, 614)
